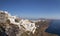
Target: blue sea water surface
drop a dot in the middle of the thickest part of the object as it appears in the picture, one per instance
(54, 27)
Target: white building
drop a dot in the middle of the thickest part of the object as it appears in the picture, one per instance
(28, 26)
(3, 16)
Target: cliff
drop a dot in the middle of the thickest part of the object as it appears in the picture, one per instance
(14, 26)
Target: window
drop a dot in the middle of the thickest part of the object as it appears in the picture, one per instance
(16, 20)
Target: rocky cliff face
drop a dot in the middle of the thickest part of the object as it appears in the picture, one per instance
(42, 27)
(24, 28)
(13, 30)
(14, 26)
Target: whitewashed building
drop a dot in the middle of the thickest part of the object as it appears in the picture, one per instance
(3, 16)
(28, 26)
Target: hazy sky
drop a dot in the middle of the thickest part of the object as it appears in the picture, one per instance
(32, 8)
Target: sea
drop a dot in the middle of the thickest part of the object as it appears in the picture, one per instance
(54, 27)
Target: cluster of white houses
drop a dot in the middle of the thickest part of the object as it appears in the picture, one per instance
(28, 26)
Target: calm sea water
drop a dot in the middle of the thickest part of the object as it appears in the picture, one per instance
(54, 27)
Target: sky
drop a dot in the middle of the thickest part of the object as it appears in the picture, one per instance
(32, 8)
